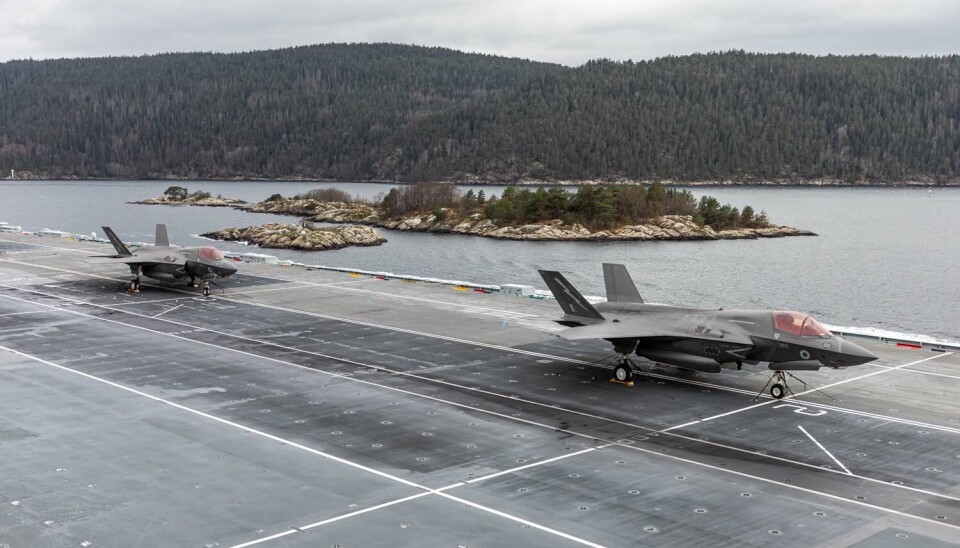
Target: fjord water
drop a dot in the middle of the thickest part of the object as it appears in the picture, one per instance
(886, 258)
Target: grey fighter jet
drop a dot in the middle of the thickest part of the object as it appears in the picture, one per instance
(699, 339)
(195, 266)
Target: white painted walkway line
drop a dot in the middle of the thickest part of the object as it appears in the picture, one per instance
(302, 528)
(167, 310)
(26, 312)
(824, 449)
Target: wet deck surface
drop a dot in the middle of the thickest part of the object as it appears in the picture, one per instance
(302, 408)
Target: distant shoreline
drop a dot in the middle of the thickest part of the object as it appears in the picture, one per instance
(532, 182)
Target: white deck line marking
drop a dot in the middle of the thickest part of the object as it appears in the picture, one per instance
(167, 310)
(26, 312)
(768, 402)
(535, 464)
(824, 449)
(408, 297)
(154, 301)
(330, 520)
(571, 411)
(412, 497)
(534, 423)
(308, 449)
(920, 371)
(286, 286)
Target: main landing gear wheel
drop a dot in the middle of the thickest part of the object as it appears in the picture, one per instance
(206, 290)
(623, 371)
(778, 391)
(134, 286)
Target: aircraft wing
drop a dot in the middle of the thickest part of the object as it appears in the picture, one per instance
(643, 328)
(109, 259)
(609, 330)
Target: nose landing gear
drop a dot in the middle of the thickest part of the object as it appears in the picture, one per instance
(780, 388)
(206, 288)
(135, 282)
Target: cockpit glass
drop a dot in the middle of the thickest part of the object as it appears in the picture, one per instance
(799, 324)
(210, 254)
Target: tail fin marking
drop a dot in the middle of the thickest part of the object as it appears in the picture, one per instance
(122, 249)
(571, 301)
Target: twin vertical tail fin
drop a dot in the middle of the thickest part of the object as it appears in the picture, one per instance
(161, 240)
(121, 248)
(620, 287)
(571, 301)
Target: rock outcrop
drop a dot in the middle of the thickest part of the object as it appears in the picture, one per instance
(206, 202)
(330, 212)
(279, 236)
(667, 227)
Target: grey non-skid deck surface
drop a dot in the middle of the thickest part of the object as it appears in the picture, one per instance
(315, 409)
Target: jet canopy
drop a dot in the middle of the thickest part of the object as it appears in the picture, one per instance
(797, 323)
(210, 254)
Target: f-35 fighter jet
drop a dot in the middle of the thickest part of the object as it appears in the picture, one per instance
(699, 339)
(192, 265)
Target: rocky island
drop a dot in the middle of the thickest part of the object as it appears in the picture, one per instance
(177, 195)
(307, 238)
(603, 214)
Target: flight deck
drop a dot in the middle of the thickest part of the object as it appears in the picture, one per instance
(298, 407)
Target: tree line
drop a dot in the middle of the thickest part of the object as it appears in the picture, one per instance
(406, 113)
(597, 207)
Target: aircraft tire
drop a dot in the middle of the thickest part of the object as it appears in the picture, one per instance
(622, 373)
(777, 391)
(206, 291)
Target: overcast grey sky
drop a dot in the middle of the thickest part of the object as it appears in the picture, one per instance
(560, 31)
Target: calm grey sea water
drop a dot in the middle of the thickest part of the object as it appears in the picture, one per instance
(885, 258)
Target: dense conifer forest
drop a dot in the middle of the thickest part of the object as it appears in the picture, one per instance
(395, 112)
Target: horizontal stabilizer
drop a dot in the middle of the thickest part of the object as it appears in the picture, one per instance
(620, 287)
(571, 301)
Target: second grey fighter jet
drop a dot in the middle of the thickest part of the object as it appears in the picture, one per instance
(163, 262)
(699, 339)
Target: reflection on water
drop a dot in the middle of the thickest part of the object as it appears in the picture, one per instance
(885, 258)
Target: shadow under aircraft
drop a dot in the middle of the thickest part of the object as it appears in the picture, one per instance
(699, 339)
(195, 266)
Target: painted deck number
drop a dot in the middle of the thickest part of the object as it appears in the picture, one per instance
(802, 410)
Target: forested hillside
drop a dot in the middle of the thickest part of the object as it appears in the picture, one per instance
(386, 112)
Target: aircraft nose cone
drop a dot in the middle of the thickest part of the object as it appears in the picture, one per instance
(855, 354)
